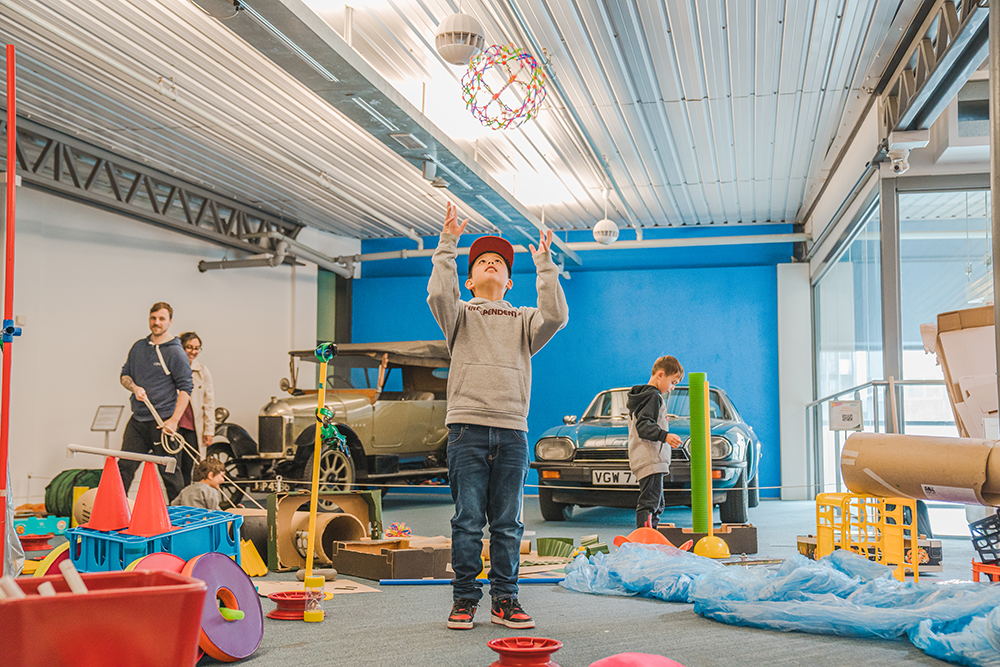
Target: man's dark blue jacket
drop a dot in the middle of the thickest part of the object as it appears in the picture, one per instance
(162, 370)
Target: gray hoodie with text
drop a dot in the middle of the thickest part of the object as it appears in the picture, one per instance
(491, 342)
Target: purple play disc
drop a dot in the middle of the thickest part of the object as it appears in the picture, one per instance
(227, 582)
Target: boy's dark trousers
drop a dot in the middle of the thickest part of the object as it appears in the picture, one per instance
(650, 503)
(487, 468)
(144, 438)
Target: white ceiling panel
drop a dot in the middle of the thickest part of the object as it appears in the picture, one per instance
(686, 112)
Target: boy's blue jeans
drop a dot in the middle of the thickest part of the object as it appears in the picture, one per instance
(487, 468)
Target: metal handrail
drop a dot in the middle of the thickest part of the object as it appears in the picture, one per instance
(875, 383)
(814, 421)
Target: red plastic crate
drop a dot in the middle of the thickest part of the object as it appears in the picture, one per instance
(142, 618)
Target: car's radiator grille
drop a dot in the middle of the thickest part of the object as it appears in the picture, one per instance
(602, 455)
(270, 433)
(618, 454)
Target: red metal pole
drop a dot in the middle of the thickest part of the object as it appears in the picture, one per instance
(8, 299)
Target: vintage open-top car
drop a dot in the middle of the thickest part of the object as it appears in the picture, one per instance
(388, 400)
(586, 463)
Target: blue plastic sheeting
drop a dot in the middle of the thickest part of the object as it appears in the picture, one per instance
(841, 594)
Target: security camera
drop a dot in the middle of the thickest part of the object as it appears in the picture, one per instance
(900, 159)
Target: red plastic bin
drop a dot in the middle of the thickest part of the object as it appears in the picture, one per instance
(145, 618)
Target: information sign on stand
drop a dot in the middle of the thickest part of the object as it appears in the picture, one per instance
(846, 416)
(106, 420)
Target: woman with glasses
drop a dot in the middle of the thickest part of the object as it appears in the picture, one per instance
(197, 425)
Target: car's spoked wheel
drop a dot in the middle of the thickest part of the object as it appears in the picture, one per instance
(224, 453)
(336, 473)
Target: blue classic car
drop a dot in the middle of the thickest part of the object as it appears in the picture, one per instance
(586, 463)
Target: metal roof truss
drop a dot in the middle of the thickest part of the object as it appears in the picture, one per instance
(50, 160)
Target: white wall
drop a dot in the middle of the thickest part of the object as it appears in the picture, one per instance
(84, 281)
(795, 383)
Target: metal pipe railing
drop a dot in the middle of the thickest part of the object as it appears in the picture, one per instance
(816, 449)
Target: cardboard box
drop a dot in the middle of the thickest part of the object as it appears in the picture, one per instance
(930, 552)
(391, 559)
(284, 523)
(741, 538)
(966, 349)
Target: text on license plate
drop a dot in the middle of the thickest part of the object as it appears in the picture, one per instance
(614, 478)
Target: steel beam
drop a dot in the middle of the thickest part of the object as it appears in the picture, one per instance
(951, 44)
(55, 162)
(892, 327)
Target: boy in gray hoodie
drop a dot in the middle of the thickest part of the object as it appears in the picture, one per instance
(647, 435)
(489, 384)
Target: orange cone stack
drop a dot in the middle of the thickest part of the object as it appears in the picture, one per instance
(150, 514)
(110, 511)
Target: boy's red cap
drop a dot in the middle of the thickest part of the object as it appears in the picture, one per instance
(492, 244)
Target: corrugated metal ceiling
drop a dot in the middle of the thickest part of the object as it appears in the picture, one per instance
(705, 112)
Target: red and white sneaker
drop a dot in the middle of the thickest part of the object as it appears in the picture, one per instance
(462, 613)
(507, 611)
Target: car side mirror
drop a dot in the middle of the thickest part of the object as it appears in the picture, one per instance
(569, 420)
(221, 415)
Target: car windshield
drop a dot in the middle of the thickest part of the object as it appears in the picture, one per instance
(600, 408)
(679, 403)
(352, 372)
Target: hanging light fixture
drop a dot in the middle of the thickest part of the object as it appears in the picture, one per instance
(458, 38)
(605, 231)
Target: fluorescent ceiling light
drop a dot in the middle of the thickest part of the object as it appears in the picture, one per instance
(376, 115)
(407, 140)
(308, 59)
(492, 206)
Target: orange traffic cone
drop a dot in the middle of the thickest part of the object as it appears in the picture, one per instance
(110, 511)
(150, 514)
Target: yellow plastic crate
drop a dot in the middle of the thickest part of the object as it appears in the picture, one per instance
(869, 526)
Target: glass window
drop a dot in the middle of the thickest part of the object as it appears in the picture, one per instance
(848, 309)
(945, 264)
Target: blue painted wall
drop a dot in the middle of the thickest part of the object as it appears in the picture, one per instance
(720, 320)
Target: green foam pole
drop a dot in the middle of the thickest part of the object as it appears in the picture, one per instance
(701, 504)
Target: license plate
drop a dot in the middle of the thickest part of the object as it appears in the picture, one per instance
(614, 478)
(269, 486)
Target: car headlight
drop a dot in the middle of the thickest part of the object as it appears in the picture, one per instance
(721, 447)
(554, 449)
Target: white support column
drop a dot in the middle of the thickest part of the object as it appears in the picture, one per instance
(795, 381)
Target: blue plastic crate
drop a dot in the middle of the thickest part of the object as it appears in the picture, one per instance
(196, 531)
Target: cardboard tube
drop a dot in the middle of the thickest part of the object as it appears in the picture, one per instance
(923, 467)
(330, 528)
(340, 528)
(991, 487)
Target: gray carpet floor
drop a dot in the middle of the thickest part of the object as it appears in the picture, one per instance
(406, 625)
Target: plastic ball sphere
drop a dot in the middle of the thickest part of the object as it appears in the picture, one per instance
(459, 38)
(503, 87)
(605, 232)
